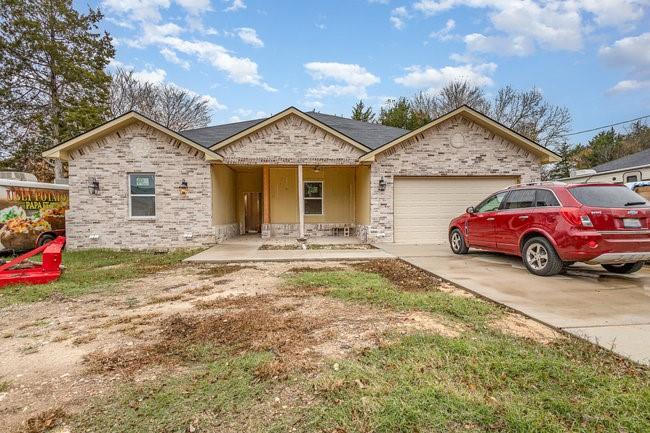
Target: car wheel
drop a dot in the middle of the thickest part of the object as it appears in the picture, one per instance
(626, 268)
(45, 239)
(457, 242)
(540, 257)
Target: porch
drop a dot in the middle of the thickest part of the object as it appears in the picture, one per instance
(290, 201)
(252, 248)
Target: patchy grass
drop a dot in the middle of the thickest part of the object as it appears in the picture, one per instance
(94, 270)
(482, 382)
(198, 400)
(377, 290)
(4, 385)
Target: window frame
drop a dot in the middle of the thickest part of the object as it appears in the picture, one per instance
(131, 195)
(321, 198)
(559, 203)
(506, 194)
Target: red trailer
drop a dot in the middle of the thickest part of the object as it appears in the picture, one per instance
(21, 271)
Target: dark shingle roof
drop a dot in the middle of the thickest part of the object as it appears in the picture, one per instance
(210, 135)
(371, 135)
(633, 160)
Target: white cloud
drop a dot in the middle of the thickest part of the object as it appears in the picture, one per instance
(633, 51)
(143, 10)
(444, 34)
(630, 85)
(195, 24)
(350, 79)
(515, 46)
(172, 57)
(240, 70)
(617, 13)
(432, 78)
(633, 55)
(235, 5)
(247, 114)
(398, 16)
(249, 36)
(150, 10)
(155, 76)
(212, 101)
(195, 6)
(521, 26)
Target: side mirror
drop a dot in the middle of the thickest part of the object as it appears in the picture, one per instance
(470, 210)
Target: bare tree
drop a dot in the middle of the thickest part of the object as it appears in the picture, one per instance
(530, 114)
(525, 111)
(450, 97)
(171, 106)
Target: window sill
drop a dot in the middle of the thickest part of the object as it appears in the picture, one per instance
(141, 218)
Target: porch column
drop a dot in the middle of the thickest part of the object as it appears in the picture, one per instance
(266, 201)
(301, 205)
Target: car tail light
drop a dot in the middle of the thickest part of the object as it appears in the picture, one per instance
(576, 217)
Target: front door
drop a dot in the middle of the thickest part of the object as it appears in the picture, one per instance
(481, 222)
(252, 212)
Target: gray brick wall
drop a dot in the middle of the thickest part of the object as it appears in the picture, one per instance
(475, 152)
(291, 140)
(102, 220)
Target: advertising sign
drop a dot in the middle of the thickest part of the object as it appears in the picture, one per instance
(28, 209)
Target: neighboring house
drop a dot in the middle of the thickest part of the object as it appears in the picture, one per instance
(137, 184)
(630, 168)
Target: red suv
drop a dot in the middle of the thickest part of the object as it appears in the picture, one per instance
(553, 225)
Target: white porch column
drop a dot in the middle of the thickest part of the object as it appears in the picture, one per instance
(301, 205)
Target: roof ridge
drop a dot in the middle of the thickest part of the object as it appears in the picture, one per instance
(225, 124)
(622, 158)
(355, 120)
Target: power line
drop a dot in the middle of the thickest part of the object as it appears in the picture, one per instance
(606, 126)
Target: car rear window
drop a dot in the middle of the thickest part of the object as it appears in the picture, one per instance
(607, 196)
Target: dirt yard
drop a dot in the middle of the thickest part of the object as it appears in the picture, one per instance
(57, 355)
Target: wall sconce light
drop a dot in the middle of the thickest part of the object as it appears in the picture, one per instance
(317, 169)
(382, 184)
(183, 188)
(93, 186)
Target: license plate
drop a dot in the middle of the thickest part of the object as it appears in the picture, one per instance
(631, 223)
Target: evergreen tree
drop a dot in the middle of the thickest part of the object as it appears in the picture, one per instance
(52, 80)
(563, 168)
(400, 114)
(362, 113)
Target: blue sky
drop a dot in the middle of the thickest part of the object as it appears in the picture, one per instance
(253, 58)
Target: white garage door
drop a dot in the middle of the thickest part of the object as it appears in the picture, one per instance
(424, 206)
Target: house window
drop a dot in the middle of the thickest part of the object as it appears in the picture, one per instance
(313, 194)
(632, 178)
(142, 195)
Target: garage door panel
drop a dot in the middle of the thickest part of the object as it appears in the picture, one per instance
(423, 207)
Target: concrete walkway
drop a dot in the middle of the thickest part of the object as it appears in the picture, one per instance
(247, 249)
(610, 310)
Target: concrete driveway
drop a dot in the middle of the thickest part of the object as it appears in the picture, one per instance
(607, 309)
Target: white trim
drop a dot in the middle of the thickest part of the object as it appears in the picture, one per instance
(63, 150)
(301, 205)
(130, 196)
(321, 198)
(282, 114)
(481, 119)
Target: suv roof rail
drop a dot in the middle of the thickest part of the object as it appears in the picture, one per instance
(545, 182)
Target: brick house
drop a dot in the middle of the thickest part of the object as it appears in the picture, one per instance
(137, 184)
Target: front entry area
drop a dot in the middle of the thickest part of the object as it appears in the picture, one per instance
(424, 206)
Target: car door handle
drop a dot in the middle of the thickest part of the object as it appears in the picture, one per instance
(490, 219)
(523, 217)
